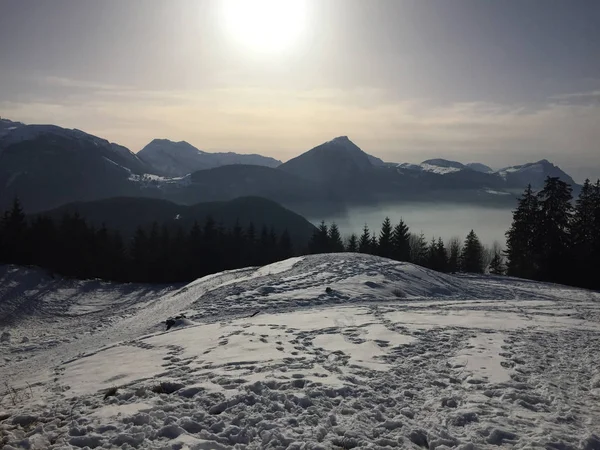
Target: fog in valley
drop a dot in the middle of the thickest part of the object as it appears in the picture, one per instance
(439, 220)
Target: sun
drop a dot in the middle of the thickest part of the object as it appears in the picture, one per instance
(266, 26)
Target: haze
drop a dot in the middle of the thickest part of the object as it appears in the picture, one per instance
(496, 82)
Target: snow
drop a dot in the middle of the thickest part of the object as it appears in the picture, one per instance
(392, 355)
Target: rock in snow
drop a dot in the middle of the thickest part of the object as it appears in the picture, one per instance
(463, 362)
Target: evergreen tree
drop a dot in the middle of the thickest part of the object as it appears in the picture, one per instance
(15, 245)
(497, 264)
(418, 249)
(374, 246)
(319, 242)
(583, 236)
(335, 239)
(385, 239)
(364, 243)
(455, 249)
(554, 237)
(437, 256)
(522, 237)
(400, 242)
(471, 258)
(352, 245)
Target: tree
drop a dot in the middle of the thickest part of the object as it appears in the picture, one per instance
(418, 249)
(455, 249)
(319, 242)
(583, 231)
(335, 239)
(471, 258)
(352, 245)
(554, 237)
(364, 243)
(522, 237)
(374, 247)
(437, 256)
(285, 246)
(497, 264)
(400, 242)
(14, 235)
(384, 247)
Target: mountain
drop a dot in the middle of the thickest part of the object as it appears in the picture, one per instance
(534, 174)
(480, 167)
(318, 352)
(176, 159)
(47, 166)
(126, 214)
(338, 159)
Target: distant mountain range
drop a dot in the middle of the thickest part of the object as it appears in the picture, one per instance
(47, 166)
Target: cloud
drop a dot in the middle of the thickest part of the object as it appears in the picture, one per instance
(284, 123)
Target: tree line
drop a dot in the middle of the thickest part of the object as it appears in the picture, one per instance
(398, 243)
(552, 239)
(155, 254)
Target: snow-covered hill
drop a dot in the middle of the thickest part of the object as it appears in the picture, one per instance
(327, 351)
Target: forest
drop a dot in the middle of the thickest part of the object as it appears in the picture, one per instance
(552, 238)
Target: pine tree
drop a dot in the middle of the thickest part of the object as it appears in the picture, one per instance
(335, 239)
(582, 235)
(400, 242)
(455, 247)
(374, 246)
(364, 243)
(15, 245)
(352, 245)
(418, 249)
(522, 237)
(554, 239)
(471, 258)
(319, 242)
(385, 239)
(497, 264)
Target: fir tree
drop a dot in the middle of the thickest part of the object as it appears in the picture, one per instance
(400, 242)
(364, 243)
(455, 249)
(15, 245)
(384, 247)
(352, 245)
(522, 237)
(554, 237)
(583, 236)
(319, 242)
(471, 258)
(335, 239)
(418, 249)
(374, 246)
(437, 256)
(497, 264)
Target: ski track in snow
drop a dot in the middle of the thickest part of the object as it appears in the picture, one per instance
(391, 356)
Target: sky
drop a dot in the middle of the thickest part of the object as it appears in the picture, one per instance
(498, 82)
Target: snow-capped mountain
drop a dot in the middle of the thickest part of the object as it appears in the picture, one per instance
(533, 173)
(46, 166)
(318, 352)
(175, 159)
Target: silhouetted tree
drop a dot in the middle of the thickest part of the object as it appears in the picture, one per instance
(583, 233)
(497, 264)
(400, 242)
(455, 249)
(418, 249)
(335, 239)
(14, 235)
(471, 258)
(319, 242)
(352, 245)
(554, 237)
(522, 237)
(385, 239)
(364, 243)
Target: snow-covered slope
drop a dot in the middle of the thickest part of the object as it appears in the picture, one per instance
(327, 351)
(480, 167)
(534, 174)
(177, 159)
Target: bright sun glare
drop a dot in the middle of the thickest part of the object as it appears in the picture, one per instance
(265, 25)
